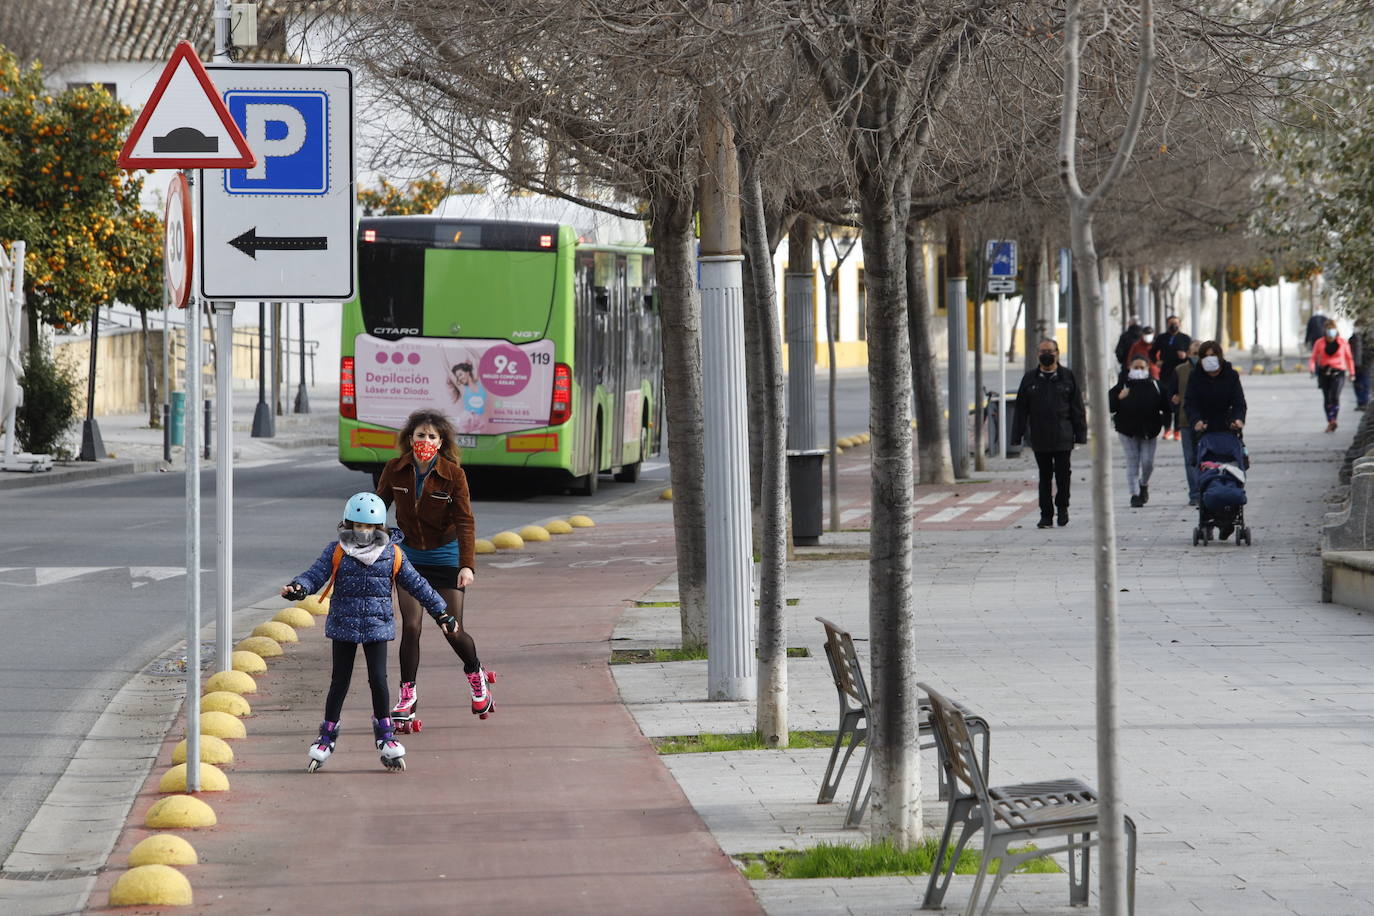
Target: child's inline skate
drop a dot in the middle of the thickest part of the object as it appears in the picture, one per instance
(482, 703)
(392, 752)
(403, 713)
(323, 746)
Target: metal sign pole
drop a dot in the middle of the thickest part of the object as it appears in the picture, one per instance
(1002, 375)
(191, 453)
(224, 435)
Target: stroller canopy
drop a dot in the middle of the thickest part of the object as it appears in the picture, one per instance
(1222, 448)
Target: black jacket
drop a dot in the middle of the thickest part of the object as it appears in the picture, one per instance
(1123, 343)
(1141, 414)
(1049, 407)
(1215, 401)
(1165, 351)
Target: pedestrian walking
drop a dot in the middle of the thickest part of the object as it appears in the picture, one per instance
(1168, 351)
(1177, 388)
(1214, 399)
(1331, 362)
(1364, 358)
(427, 485)
(1142, 348)
(1316, 329)
(1049, 409)
(1138, 407)
(360, 569)
(1125, 341)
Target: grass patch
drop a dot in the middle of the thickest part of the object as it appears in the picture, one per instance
(708, 743)
(791, 602)
(840, 861)
(647, 656)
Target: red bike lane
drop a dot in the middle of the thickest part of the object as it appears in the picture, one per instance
(556, 804)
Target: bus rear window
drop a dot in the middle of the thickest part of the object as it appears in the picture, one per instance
(391, 289)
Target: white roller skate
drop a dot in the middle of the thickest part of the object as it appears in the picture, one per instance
(482, 703)
(323, 746)
(403, 713)
(392, 752)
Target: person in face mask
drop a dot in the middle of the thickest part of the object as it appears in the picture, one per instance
(1138, 406)
(1177, 386)
(1049, 411)
(1167, 352)
(1142, 348)
(1214, 398)
(429, 488)
(1331, 361)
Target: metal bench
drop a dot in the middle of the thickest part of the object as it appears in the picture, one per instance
(855, 712)
(1027, 812)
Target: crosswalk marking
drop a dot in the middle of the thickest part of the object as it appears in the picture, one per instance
(931, 498)
(1024, 496)
(997, 514)
(978, 498)
(848, 515)
(945, 515)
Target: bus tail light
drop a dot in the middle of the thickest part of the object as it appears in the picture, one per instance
(348, 400)
(562, 394)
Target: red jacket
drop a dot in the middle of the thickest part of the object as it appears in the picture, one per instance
(1341, 359)
(1142, 349)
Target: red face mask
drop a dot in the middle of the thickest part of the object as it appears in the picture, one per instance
(424, 449)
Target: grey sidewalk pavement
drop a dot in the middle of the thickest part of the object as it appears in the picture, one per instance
(134, 447)
(1246, 703)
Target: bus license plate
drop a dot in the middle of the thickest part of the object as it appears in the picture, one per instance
(466, 441)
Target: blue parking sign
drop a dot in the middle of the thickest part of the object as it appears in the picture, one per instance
(1001, 255)
(289, 132)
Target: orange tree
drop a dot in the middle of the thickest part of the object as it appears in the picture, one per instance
(90, 242)
(419, 196)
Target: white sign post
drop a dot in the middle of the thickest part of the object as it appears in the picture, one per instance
(1002, 280)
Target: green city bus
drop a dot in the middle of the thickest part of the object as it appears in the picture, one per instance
(543, 349)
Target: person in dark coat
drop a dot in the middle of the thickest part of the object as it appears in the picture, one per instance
(1049, 411)
(1125, 341)
(1364, 357)
(1168, 351)
(361, 614)
(1214, 398)
(1138, 407)
(1316, 329)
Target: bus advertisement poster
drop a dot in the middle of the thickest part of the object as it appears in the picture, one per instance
(484, 386)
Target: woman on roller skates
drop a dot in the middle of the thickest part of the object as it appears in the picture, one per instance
(359, 568)
(429, 489)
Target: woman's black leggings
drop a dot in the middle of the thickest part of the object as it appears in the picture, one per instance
(1331, 393)
(344, 654)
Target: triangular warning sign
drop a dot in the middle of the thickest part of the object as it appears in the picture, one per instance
(185, 124)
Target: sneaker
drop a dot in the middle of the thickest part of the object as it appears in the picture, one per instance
(1063, 517)
(1144, 494)
(1045, 522)
(1331, 426)
(482, 703)
(1136, 502)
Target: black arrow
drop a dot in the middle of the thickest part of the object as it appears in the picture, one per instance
(250, 244)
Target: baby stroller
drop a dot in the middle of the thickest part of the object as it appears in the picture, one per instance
(1222, 462)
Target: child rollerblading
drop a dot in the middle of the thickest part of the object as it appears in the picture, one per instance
(360, 568)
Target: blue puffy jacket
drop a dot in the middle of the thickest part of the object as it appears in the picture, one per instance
(360, 603)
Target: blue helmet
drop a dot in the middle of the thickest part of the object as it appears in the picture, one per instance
(367, 508)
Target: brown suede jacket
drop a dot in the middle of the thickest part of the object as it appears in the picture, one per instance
(438, 514)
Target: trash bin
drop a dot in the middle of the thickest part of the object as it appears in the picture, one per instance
(804, 480)
(178, 423)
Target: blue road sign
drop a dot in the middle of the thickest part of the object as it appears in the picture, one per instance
(1001, 255)
(289, 132)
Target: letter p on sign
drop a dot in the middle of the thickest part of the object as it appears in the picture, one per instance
(289, 132)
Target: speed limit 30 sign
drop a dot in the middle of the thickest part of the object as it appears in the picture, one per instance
(177, 248)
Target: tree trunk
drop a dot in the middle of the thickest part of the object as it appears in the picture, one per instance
(754, 384)
(772, 620)
(1032, 304)
(896, 813)
(932, 448)
(675, 267)
(150, 379)
(956, 300)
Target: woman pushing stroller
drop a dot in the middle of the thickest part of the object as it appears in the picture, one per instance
(1214, 403)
